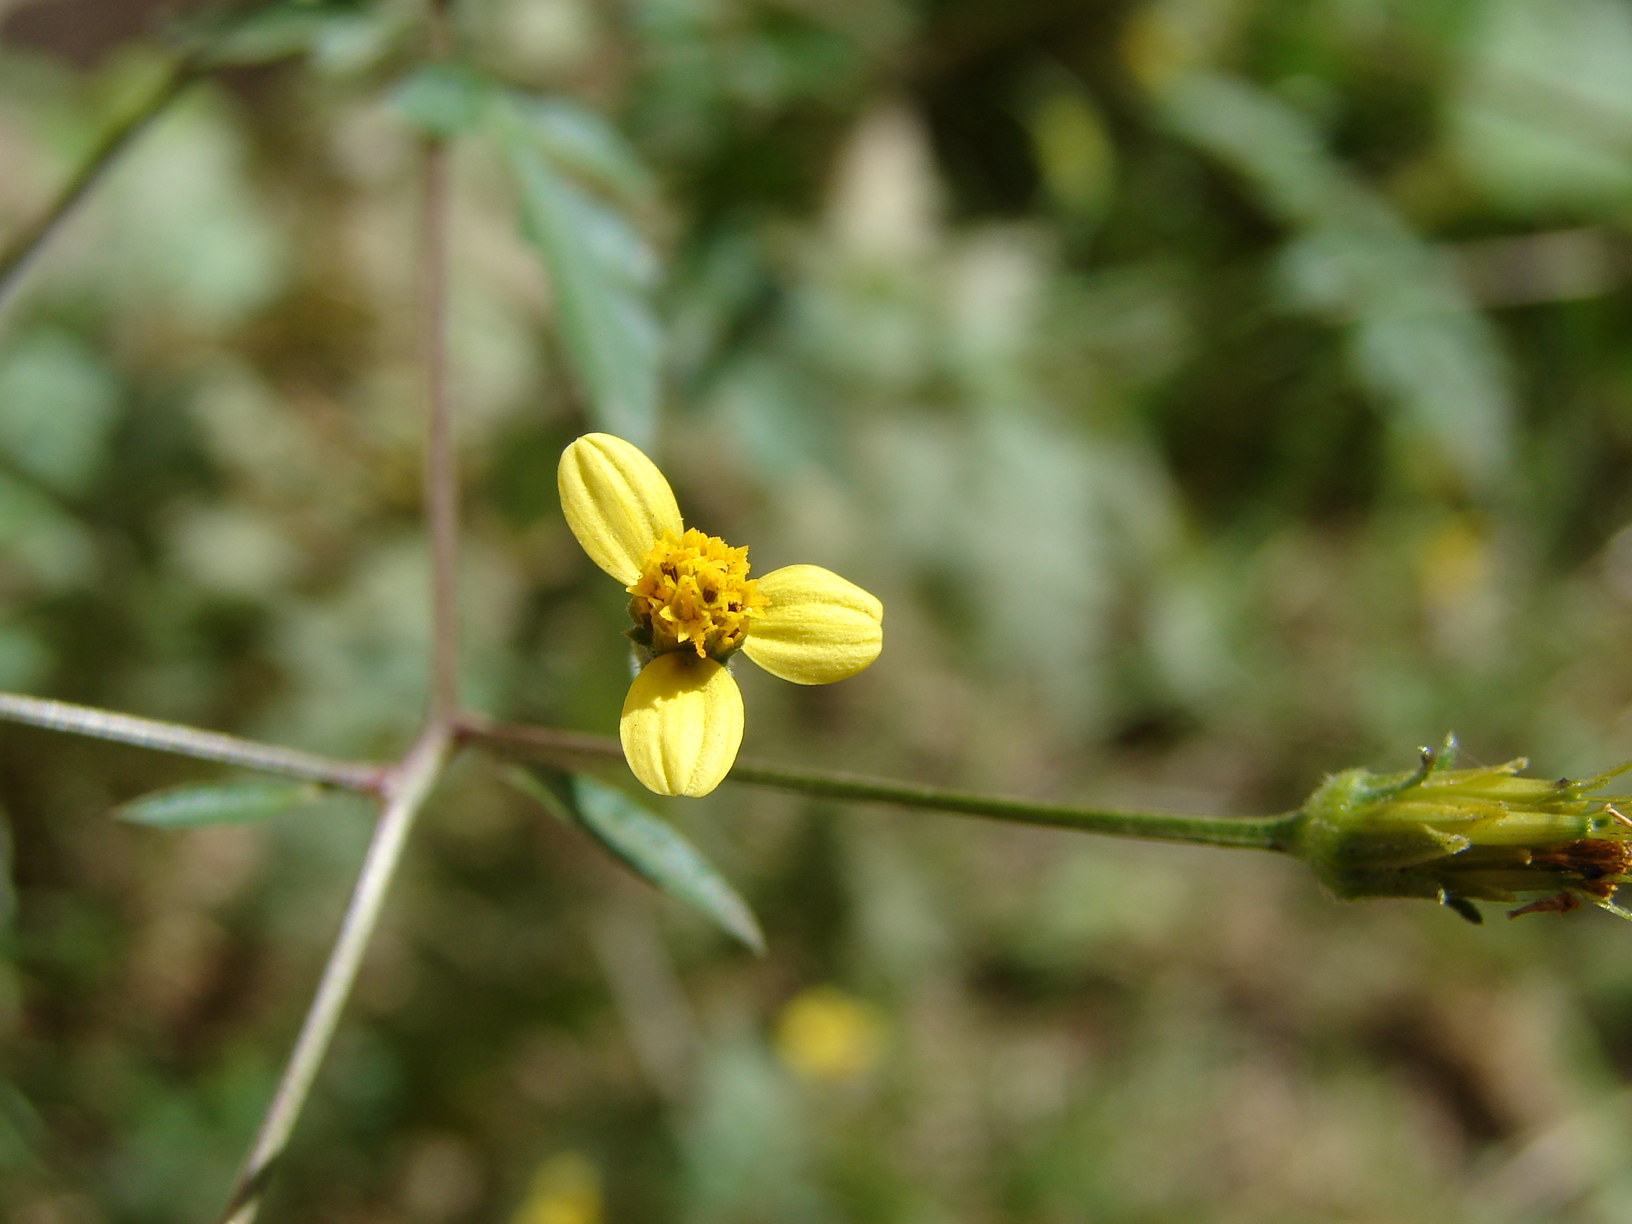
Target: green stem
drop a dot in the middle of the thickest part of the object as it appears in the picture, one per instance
(1254, 833)
(19, 253)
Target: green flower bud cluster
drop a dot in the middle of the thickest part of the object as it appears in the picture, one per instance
(1464, 835)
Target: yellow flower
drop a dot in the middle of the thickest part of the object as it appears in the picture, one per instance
(693, 607)
(566, 1190)
(825, 1034)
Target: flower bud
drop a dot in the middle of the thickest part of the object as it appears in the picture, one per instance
(1464, 835)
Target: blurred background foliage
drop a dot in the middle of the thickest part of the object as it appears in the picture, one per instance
(1217, 393)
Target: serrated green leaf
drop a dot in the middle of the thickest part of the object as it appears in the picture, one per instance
(650, 847)
(599, 270)
(442, 99)
(194, 804)
(583, 144)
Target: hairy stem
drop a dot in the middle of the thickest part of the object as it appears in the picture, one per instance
(189, 741)
(1260, 833)
(20, 252)
(410, 783)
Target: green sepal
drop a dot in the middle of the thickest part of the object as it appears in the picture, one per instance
(1387, 786)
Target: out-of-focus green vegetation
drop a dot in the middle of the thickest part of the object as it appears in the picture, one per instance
(1216, 392)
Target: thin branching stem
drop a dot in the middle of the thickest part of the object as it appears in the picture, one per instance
(410, 783)
(189, 741)
(19, 254)
(1260, 833)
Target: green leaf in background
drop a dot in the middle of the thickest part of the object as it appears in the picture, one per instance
(195, 804)
(340, 36)
(648, 846)
(206, 259)
(600, 271)
(1541, 116)
(21, 1130)
(58, 401)
(42, 542)
(1417, 341)
(583, 144)
(442, 99)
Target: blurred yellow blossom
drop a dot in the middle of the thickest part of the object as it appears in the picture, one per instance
(1453, 563)
(825, 1034)
(565, 1190)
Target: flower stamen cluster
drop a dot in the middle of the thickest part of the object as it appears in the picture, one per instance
(693, 593)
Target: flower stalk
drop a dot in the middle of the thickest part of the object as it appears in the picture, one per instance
(1247, 833)
(1455, 836)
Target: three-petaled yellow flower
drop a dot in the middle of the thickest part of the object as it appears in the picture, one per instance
(693, 607)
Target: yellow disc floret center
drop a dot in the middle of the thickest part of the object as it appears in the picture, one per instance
(693, 593)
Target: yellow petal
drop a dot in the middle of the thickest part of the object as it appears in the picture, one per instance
(616, 502)
(682, 724)
(816, 627)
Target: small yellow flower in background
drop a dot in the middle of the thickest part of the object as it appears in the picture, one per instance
(1454, 563)
(565, 1190)
(825, 1034)
(693, 607)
